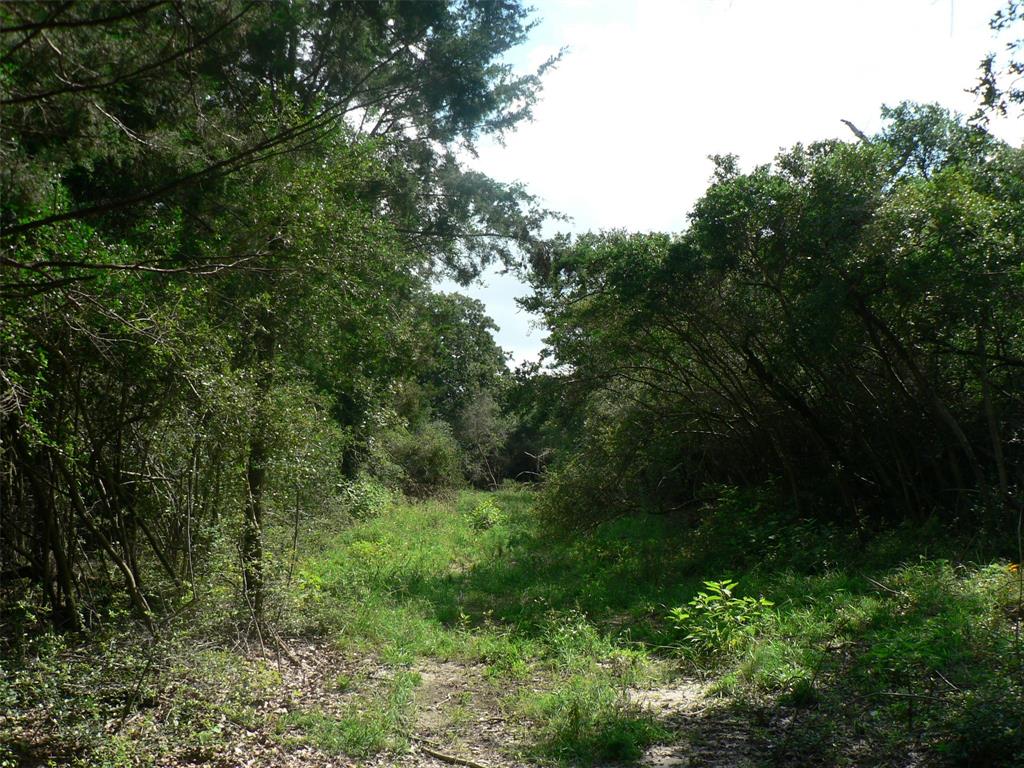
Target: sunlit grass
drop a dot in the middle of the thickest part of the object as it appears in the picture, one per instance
(369, 724)
(885, 625)
(876, 643)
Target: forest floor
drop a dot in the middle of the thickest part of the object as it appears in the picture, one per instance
(467, 632)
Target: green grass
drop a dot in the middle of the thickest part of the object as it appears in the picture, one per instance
(121, 700)
(368, 725)
(590, 717)
(892, 631)
(454, 581)
(874, 645)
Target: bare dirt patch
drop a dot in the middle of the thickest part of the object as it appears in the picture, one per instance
(458, 714)
(707, 732)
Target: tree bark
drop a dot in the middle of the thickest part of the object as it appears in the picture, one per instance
(256, 471)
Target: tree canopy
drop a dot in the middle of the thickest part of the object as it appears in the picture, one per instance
(217, 225)
(842, 319)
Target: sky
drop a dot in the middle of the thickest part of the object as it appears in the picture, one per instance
(649, 89)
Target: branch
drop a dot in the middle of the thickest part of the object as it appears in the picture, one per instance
(857, 131)
(51, 23)
(32, 34)
(221, 167)
(79, 87)
(209, 268)
(446, 757)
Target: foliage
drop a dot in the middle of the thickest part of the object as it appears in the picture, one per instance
(483, 430)
(897, 644)
(137, 703)
(825, 324)
(364, 497)
(486, 515)
(718, 622)
(215, 276)
(585, 614)
(460, 360)
(587, 720)
(369, 726)
(419, 462)
(998, 87)
(221, 362)
(987, 727)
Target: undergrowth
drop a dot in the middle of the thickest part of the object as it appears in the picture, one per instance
(839, 646)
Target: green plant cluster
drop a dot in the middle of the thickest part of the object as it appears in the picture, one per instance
(216, 304)
(418, 461)
(369, 725)
(364, 497)
(486, 515)
(842, 324)
(899, 643)
(717, 622)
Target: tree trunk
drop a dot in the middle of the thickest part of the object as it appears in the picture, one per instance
(256, 473)
(252, 526)
(990, 417)
(942, 414)
(63, 599)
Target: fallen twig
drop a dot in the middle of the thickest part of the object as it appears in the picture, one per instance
(880, 585)
(287, 651)
(424, 746)
(899, 695)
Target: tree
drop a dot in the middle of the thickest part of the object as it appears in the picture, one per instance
(458, 357)
(842, 319)
(135, 128)
(216, 218)
(999, 83)
(484, 431)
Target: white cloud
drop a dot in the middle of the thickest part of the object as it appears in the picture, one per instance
(651, 88)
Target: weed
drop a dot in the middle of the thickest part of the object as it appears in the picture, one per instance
(486, 515)
(719, 622)
(343, 682)
(588, 718)
(364, 498)
(505, 656)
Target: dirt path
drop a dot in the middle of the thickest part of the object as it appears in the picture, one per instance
(707, 733)
(459, 713)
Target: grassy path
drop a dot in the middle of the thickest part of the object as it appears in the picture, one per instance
(507, 668)
(465, 627)
(528, 647)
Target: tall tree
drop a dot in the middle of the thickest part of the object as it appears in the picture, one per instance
(207, 205)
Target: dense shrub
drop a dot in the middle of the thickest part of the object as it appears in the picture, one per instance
(842, 323)
(420, 461)
(364, 497)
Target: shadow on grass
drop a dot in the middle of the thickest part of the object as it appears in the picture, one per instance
(875, 647)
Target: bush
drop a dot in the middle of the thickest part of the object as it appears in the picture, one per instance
(717, 621)
(419, 462)
(486, 515)
(364, 497)
(988, 728)
(483, 431)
